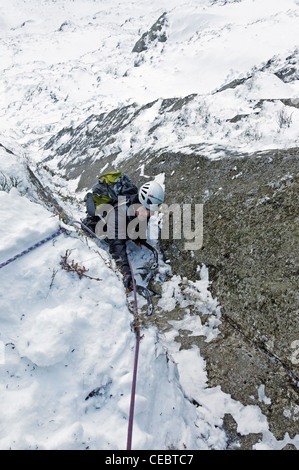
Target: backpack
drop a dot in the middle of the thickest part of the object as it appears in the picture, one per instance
(106, 191)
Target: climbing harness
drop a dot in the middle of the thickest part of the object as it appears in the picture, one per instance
(134, 380)
(31, 248)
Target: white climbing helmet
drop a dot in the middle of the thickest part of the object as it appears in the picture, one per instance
(151, 195)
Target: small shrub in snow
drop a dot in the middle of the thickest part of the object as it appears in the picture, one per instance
(74, 267)
(284, 119)
(7, 183)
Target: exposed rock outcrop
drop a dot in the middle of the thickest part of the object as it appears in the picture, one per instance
(156, 33)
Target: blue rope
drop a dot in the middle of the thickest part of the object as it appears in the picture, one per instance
(31, 248)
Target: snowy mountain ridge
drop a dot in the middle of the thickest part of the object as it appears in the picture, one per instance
(49, 84)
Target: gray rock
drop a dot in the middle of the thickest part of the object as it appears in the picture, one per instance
(156, 33)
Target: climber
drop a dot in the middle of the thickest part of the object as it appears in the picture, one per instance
(125, 219)
(130, 222)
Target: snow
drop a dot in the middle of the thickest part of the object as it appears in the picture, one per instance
(62, 337)
(65, 337)
(63, 61)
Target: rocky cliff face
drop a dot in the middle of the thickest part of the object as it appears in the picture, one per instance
(250, 246)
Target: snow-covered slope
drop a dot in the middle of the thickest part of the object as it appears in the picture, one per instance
(63, 337)
(60, 336)
(63, 61)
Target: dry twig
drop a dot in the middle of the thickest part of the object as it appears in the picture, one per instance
(74, 267)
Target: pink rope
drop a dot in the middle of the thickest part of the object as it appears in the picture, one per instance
(134, 381)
